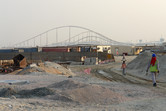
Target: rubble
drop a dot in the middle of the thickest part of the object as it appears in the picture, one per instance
(19, 61)
(46, 67)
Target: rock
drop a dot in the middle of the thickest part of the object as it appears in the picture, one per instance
(70, 76)
(12, 97)
(10, 106)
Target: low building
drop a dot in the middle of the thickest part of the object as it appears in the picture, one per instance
(90, 48)
(153, 48)
(104, 49)
(120, 50)
(137, 49)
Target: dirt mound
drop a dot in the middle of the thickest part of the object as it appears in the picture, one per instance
(69, 91)
(46, 67)
(139, 65)
(7, 92)
(93, 94)
(67, 84)
(38, 92)
(28, 70)
(86, 93)
(162, 64)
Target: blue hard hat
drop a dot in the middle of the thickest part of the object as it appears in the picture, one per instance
(153, 55)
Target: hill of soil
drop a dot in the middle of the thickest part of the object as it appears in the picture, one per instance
(86, 93)
(139, 65)
(46, 67)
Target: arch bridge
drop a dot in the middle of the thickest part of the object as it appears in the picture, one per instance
(68, 35)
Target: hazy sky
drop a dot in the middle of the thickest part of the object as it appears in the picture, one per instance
(121, 20)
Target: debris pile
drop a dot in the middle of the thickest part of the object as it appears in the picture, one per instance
(46, 67)
(17, 62)
(7, 66)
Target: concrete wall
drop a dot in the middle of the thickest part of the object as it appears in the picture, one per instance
(91, 61)
(55, 56)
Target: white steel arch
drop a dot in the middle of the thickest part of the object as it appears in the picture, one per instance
(83, 37)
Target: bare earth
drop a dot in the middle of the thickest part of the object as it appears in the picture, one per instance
(104, 89)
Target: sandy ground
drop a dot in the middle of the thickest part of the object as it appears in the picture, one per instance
(103, 89)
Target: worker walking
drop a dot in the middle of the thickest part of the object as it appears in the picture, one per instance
(123, 65)
(154, 68)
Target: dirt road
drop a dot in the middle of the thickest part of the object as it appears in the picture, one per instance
(112, 72)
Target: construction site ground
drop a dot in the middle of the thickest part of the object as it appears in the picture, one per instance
(81, 88)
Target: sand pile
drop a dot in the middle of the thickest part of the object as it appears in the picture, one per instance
(47, 67)
(86, 93)
(139, 65)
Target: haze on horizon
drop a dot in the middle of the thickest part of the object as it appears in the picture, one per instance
(120, 20)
